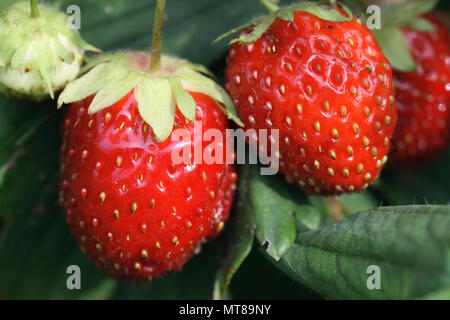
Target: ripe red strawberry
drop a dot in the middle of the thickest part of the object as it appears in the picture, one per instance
(327, 87)
(423, 98)
(134, 211)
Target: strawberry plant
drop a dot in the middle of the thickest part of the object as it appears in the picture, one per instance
(140, 219)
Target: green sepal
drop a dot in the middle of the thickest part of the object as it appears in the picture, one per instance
(45, 59)
(395, 48)
(80, 42)
(390, 37)
(112, 75)
(257, 32)
(7, 51)
(181, 64)
(261, 24)
(156, 105)
(91, 62)
(62, 51)
(19, 56)
(103, 75)
(237, 30)
(420, 24)
(113, 92)
(324, 12)
(184, 100)
(196, 82)
(286, 14)
(401, 14)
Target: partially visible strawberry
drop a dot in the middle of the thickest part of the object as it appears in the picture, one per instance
(423, 97)
(326, 86)
(135, 213)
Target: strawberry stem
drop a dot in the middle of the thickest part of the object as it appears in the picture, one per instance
(268, 5)
(34, 9)
(335, 209)
(155, 65)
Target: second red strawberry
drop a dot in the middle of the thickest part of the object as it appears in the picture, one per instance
(328, 88)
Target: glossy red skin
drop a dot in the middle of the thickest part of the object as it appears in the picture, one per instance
(331, 78)
(189, 202)
(423, 98)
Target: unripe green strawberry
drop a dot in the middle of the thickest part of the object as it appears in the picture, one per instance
(39, 53)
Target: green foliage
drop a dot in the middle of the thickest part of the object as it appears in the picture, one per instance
(284, 13)
(395, 48)
(410, 245)
(318, 242)
(390, 37)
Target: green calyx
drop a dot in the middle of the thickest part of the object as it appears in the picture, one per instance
(260, 24)
(39, 53)
(399, 15)
(112, 76)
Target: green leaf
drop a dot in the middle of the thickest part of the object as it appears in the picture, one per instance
(275, 206)
(391, 39)
(395, 47)
(156, 105)
(49, 258)
(273, 212)
(35, 233)
(241, 239)
(184, 100)
(308, 218)
(405, 12)
(25, 162)
(410, 245)
(438, 295)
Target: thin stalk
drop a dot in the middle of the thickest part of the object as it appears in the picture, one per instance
(34, 9)
(268, 5)
(155, 63)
